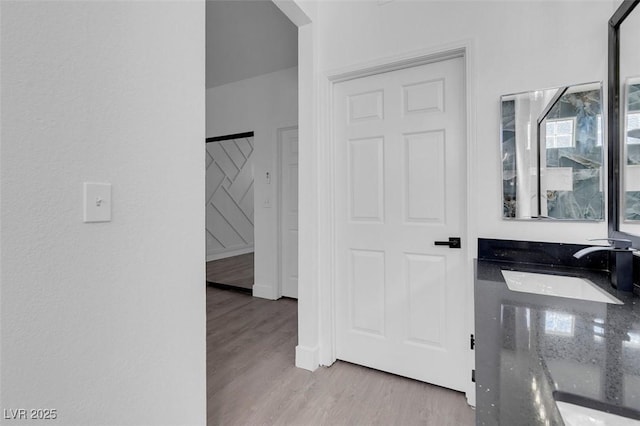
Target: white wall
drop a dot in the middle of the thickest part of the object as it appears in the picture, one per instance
(103, 322)
(261, 104)
(519, 46)
(516, 46)
(253, 37)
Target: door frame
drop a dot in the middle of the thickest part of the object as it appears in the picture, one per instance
(327, 192)
(280, 197)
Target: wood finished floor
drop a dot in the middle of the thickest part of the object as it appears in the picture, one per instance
(235, 271)
(252, 379)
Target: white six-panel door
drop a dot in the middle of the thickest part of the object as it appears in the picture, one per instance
(400, 186)
(288, 140)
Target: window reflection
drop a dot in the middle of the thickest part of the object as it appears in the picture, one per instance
(559, 324)
(598, 333)
(560, 133)
(634, 340)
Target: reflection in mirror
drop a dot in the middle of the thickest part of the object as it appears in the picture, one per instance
(559, 323)
(629, 125)
(631, 144)
(552, 145)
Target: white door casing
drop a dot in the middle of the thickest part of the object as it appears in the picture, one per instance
(229, 197)
(400, 141)
(288, 155)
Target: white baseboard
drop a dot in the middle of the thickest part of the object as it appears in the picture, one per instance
(471, 395)
(263, 291)
(307, 358)
(230, 253)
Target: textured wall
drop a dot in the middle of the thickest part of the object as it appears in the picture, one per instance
(229, 197)
(104, 322)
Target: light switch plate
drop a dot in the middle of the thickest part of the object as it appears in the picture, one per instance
(97, 202)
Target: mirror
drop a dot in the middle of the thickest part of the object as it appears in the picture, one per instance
(624, 116)
(552, 154)
(631, 153)
(630, 123)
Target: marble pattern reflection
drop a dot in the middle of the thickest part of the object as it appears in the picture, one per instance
(632, 198)
(586, 200)
(509, 176)
(571, 160)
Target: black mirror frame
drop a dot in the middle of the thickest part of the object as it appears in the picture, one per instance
(614, 160)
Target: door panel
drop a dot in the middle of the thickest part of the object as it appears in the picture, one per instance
(400, 186)
(366, 178)
(424, 162)
(424, 275)
(366, 291)
(365, 106)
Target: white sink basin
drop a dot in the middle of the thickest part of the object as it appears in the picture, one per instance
(576, 415)
(557, 285)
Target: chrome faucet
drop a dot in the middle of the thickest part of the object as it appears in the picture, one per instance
(620, 261)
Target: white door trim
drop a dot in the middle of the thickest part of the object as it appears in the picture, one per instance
(326, 173)
(280, 195)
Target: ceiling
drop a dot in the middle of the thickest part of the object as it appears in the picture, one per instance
(247, 38)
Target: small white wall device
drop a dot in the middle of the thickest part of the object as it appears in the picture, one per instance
(97, 202)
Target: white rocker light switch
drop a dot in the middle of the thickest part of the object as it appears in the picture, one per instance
(97, 202)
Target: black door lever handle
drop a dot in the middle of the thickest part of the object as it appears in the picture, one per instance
(454, 242)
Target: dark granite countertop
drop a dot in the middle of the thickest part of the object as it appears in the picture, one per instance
(528, 346)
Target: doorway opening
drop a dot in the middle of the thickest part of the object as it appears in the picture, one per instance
(251, 194)
(230, 211)
(252, 110)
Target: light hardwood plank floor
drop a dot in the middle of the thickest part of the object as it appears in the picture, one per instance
(235, 271)
(252, 380)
